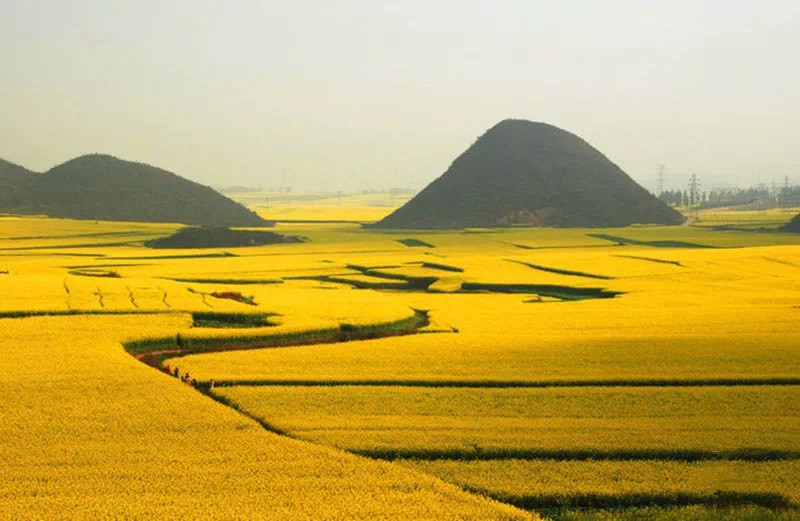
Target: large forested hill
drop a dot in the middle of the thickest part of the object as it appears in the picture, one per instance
(102, 187)
(525, 173)
(15, 183)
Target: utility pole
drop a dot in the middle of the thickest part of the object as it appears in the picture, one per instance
(694, 185)
(660, 177)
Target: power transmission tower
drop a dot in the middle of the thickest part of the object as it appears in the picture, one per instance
(660, 176)
(694, 190)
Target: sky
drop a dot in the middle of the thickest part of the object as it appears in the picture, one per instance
(352, 95)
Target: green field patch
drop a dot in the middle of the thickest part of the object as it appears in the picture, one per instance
(478, 453)
(180, 256)
(560, 271)
(442, 267)
(154, 351)
(55, 254)
(689, 513)
(364, 282)
(649, 499)
(546, 290)
(231, 320)
(650, 259)
(65, 246)
(480, 231)
(415, 243)
(655, 244)
(510, 384)
(378, 278)
(98, 266)
(72, 312)
(135, 233)
(201, 280)
(557, 247)
(96, 272)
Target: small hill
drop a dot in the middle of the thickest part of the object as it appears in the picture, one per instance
(792, 226)
(531, 174)
(102, 187)
(15, 184)
(219, 237)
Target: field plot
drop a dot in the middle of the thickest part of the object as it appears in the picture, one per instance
(558, 423)
(280, 206)
(124, 438)
(628, 373)
(544, 483)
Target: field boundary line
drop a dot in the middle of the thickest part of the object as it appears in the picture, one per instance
(751, 454)
(719, 498)
(500, 384)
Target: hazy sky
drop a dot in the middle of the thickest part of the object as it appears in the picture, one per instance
(369, 94)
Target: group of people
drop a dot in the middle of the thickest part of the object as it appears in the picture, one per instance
(186, 378)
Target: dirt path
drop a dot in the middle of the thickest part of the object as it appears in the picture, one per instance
(140, 356)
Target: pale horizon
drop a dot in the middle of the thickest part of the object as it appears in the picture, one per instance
(365, 96)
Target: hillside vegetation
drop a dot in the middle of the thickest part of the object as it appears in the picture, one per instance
(101, 187)
(533, 174)
(793, 225)
(219, 237)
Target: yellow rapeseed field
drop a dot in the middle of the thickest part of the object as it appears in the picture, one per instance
(88, 432)
(681, 422)
(649, 368)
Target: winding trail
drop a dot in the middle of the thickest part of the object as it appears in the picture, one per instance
(158, 351)
(154, 352)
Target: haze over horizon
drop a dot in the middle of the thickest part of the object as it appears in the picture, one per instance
(320, 96)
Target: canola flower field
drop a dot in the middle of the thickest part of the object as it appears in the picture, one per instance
(635, 373)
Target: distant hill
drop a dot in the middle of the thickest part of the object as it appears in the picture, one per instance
(793, 225)
(532, 174)
(102, 187)
(14, 184)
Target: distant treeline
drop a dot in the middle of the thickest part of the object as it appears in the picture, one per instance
(787, 196)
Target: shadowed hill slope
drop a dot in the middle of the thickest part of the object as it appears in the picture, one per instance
(533, 174)
(102, 187)
(15, 184)
(793, 225)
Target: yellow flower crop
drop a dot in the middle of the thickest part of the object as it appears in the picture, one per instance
(88, 432)
(550, 422)
(618, 367)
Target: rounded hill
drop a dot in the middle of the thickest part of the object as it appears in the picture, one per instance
(220, 237)
(793, 226)
(531, 174)
(102, 187)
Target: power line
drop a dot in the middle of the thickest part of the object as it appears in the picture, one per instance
(660, 176)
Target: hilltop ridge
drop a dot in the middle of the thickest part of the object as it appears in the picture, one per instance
(103, 187)
(532, 174)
